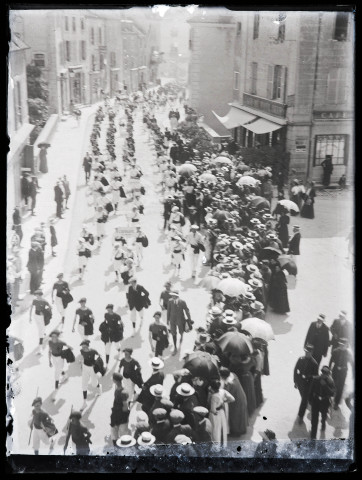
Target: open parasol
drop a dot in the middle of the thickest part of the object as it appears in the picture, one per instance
(247, 180)
(221, 214)
(222, 160)
(236, 343)
(210, 282)
(289, 205)
(258, 328)
(187, 169)
(208, 177)
(232, 287)
(203, 364)
(260, 202)
(270, 253)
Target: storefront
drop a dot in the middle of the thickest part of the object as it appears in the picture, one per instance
(114, 81)
(76, 84)
(95, 87)
(332, 134)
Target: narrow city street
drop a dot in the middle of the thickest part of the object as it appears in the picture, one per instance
(324, 285)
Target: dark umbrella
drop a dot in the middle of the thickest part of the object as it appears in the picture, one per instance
(288, 264)
(235, 342)
(260, 202)
(202, 364)
(270, 253)
(222, 215)
(43, 144)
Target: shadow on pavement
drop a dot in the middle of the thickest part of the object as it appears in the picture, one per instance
(278, 323)
(31, 360)
(172, 363)
(133, 342)
(298, 432)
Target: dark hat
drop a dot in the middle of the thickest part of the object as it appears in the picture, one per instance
(85, 342)
(54, 332)
(309, 348)
(158, 314)
(325, 369)
(38, 292)
(37, 400)
(321, 317)
(117, 377)
(109, 306)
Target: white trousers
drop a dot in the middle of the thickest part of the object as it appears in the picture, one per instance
(194, 260)
(59, 305)
(108, 346)
(39, 320)
(88, 375)
(134, 314)
(82, 261)
(100, 229)
(81, 332)
(39, 436)
(58, 364)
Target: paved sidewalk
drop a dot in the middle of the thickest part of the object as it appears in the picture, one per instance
(68, 145)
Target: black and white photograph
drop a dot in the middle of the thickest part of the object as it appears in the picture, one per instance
(180, 259)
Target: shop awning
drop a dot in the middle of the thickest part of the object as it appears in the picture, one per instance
(235, 118)
(261, 126)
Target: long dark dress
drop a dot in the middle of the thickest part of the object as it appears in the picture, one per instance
(238, 410)
(308, 207)
(43, 162)
(246, 379)
(278, 293)
(283, 232)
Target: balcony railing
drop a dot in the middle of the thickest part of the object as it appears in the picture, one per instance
(265, 105)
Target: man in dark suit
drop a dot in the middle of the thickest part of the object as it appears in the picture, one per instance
(33, 191)
(321, 392)
(25, 187)
(161, 427)
(137, 297)
(58, 198)
(294, 242)
(145, 397)
(338, 363)
(87, 165)
(203, 427)
(318, 336)
(177, 315)
(341, 328)
(17, 223)
(305, 369)
(176, 418)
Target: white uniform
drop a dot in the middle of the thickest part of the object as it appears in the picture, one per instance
(193, 239)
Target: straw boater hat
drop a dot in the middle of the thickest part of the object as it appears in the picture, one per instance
(146, 438)
(254, 221)
(237, 245)
(309, 348)
(215, 311)
(183, 440)
(249, 296)
(185, 390)
(229, 317)
(176, 416)
(175, 209)
(253, 234)
(255, 283)
(252, 268)
(156, 363)
(204, 338)
(126, 441)
(321, 317)
(268, 216)
(257, 275)
(257, 306)
(156, 390)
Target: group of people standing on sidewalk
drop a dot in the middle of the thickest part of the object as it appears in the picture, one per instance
(215, 223)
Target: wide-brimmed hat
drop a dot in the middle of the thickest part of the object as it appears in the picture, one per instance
(257, 306)
(109, 306)
(126, 441)
(309, 348)
(85, 342)
(255, 283)
(156, 390)
(254, 221)
(176, 416)
(268, 216)
(156, 363)
(146, 438)
(38, 292)
(237, 245)
(202, 411)
(229, 318)
(204, 338)
(182, 440)
(37, 400)
(252, 268)
(321, 317)
(194, 227)
(215, 311)
(343, 313)
(175, 293)
(185, 390)
(175, 209)
(257, 275)
(249, 296)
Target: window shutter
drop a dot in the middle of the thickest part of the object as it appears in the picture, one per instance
(342, 86)
(270, 81)
(284, 84)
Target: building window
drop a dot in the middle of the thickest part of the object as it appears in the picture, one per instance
(238, 29)
(39, 59)
(83, 50)
(101, 61)
(337, 88)
(334, 145)
(281, 27)
(66, 23)
(341, 27)
(82, 23)
(92, 36)
(67, 51)
(256, 25)
(93, 63)
(113, 59)
(236, 80)
(100, 35)
(254, 75)
(276, 84)
(73, 24)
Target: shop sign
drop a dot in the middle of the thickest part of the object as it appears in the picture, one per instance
(335, 115)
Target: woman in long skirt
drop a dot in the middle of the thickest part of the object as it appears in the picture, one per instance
(278, 293)
(242, 365)
(282, 228)
(308, 207)
(217, 400)
(238, 410)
